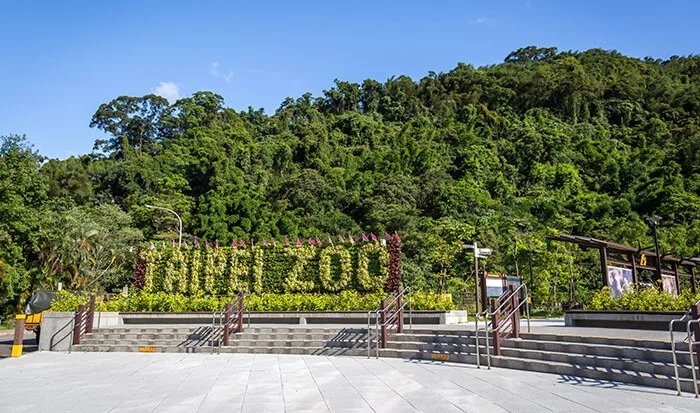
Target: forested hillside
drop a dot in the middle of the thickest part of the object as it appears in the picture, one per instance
(586, 143)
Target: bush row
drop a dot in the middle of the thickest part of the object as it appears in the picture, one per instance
(651, 299)
(348, 300)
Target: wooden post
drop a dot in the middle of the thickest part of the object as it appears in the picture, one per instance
(604, 264)
(695, 315)
(633, 260)
(675, 275)
(19, 335)
(516, 314)
(399, 325)
(494, 329)
(383, 320)
(239, 314)
(692, 280)
(227, 320)
(91, 316)
(78, 320)
(484, 292)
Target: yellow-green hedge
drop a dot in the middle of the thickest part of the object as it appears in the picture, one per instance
(348, 300)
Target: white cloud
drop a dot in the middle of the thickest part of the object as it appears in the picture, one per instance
(168, 90)
(479, 20)
(216, 72)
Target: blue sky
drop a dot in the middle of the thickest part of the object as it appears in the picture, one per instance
(60, 60)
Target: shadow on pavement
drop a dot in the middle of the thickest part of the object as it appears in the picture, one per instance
(29, 345)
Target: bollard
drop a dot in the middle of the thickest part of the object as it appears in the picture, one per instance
(19, 335)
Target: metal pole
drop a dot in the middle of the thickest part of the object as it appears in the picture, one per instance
(658, 255)
(410, 309)
(529, 248)
(477, 295)
(179, 243)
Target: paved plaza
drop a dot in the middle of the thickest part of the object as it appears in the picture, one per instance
(135, 382)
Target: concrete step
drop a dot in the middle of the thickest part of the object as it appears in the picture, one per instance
(299, 336)
(149, 336)
(619, 342)
(657, 369)
(303, 330)
(467, 348)
(240, 342)
(573, 371)
(633, 372)
(209, 349)
(136, 348)
(433, 338)
(638, 353)
(147, 330)
(466, 358)
(144, 343)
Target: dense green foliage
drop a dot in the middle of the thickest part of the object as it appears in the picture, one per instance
(329, 268)
(586, 143)
(650, 299)
(347, 300)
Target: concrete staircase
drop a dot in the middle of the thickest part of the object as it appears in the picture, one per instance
(276, 340)
(608, 359)
(644, 362)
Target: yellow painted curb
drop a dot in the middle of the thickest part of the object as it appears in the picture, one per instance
(16, 350)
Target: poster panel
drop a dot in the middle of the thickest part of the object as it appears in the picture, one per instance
(495, 286)
(669, 284)
(619, 280)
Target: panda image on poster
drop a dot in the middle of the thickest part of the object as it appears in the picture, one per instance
(619, 280)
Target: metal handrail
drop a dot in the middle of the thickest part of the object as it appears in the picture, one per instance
(486, 314)
(232, 302)
(685, 317)
(369, 336)
(379, 309)
(83, 320)
(691, 345)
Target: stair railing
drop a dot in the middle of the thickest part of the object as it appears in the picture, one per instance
(692, 343)
(689, 319)
(499, 325)
(388, 317)
(229, 319)
(83, 320)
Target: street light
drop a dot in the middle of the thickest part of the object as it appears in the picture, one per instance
(654, 221)
(529, 250)
(179, 243)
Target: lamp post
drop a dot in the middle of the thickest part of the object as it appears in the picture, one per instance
(529, 250)
(179, 243)
(654, 221)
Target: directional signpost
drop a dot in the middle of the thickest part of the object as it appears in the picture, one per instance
(480, 283)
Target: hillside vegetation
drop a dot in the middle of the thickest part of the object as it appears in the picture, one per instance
(587, 143)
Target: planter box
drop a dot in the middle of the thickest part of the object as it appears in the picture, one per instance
(293, 317)
(638, 320)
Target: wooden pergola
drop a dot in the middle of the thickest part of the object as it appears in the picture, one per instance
(630, 257)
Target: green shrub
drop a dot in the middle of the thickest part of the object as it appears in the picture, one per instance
(348, 300)
(651, 299)
(66, 301)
